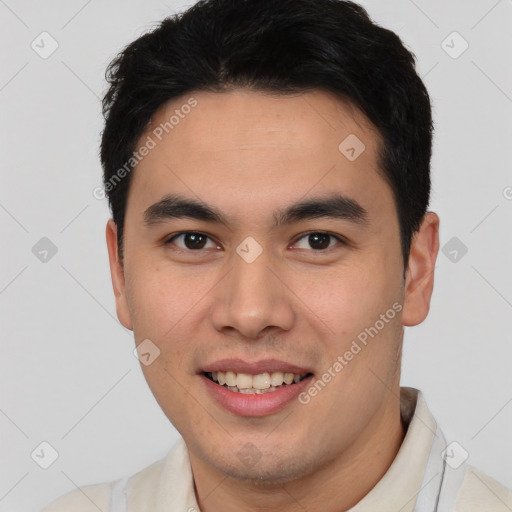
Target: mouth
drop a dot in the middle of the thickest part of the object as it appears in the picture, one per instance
(254, 389)
(255, 384)
(257, 389)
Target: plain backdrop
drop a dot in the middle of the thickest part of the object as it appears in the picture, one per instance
(68, 374)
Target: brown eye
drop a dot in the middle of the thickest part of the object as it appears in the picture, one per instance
(318, 241)
(190, 240)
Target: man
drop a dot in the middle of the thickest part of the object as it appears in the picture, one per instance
(267, 165)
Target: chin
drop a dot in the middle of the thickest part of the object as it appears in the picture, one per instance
(263, 469)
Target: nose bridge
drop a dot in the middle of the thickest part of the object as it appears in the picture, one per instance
(251, 297)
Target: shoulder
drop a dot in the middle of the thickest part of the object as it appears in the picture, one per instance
(97, 497)
(89, 498)
(481, 492)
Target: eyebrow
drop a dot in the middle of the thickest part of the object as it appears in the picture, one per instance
(335, 206)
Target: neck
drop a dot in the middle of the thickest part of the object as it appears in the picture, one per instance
(334, 487)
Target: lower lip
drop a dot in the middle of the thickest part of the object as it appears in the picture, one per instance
(254, 405)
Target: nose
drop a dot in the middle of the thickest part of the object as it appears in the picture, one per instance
(252, 298)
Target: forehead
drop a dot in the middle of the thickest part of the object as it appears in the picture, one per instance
(244, 146)
(250, 118)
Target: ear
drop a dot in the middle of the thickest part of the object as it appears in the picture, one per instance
(419, 279)
(117, 275)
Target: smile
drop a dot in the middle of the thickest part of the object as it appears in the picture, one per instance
(254, 384)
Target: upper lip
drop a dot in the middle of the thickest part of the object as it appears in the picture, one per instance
(253, 368)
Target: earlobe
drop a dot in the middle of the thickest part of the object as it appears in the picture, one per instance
(419, 282)
(117, 275)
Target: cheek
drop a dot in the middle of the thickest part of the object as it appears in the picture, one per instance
(171, 393)
(157, 301)
(361, 307)
(158, 309)
(164, 306)
(353, 299)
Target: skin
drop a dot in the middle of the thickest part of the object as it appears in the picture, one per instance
(249, 154)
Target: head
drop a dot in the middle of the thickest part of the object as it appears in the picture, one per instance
(291, 142)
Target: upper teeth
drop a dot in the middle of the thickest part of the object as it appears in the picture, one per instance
(260, 381)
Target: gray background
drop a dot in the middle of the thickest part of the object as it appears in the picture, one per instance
(68, 374)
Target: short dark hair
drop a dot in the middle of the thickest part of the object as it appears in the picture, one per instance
(286, 47)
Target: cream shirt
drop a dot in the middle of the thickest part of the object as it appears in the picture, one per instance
(422, 478)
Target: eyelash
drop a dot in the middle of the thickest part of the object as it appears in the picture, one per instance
(341, 241)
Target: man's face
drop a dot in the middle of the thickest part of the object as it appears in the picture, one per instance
(297, 290)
